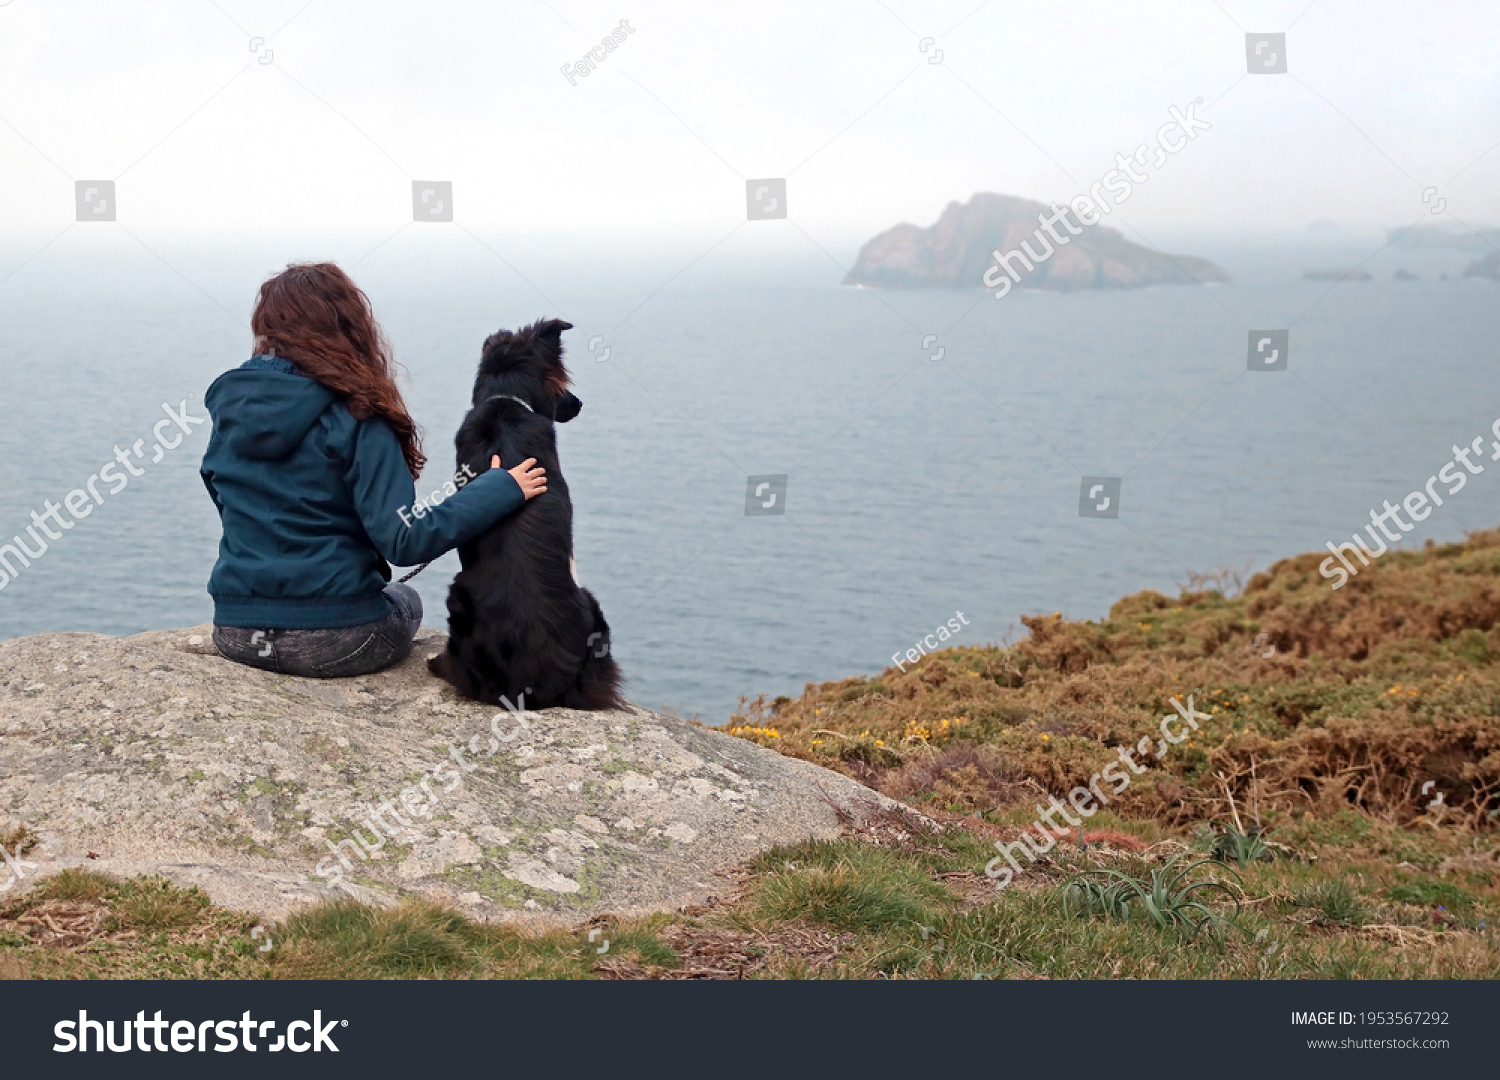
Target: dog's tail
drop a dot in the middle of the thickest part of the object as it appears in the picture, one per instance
(599, 684)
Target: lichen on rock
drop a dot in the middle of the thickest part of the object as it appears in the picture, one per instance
(152, 754)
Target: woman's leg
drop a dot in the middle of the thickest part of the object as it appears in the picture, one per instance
(408, 602)
(330, 654)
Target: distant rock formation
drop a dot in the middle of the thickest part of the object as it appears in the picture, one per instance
(958, 251)
(1431, 236)
(1403, 274)
(1489, 267)
(1336, 275)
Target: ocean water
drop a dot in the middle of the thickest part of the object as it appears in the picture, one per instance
(917, 488)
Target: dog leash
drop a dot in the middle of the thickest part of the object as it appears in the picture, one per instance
(492, 397)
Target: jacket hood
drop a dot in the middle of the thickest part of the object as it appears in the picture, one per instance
(263, 409)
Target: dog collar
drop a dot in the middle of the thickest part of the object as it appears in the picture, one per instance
(511, 397)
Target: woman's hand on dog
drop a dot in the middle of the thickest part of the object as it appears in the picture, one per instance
(531, 476)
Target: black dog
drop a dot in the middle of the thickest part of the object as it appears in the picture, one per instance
(518, 622)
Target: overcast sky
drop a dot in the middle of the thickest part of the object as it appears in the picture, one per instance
(357, 100)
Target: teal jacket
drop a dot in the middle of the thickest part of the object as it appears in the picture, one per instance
(315, 504)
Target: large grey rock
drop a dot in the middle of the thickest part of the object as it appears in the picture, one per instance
(156, 755)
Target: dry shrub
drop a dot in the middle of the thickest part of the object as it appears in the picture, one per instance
(1431, 595)
(1059, 645)
(963, 779)
(1338, 698)
(1376, 765)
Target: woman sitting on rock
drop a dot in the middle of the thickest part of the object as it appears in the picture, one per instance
(311, 465)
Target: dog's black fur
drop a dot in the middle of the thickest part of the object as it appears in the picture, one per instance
(517, 621)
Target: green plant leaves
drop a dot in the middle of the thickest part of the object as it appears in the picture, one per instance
(1169, 896)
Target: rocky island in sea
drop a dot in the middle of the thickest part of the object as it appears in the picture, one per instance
(1337, 275)
(958, 250)
(1489, 267)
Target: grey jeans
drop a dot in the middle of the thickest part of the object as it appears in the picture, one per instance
(329, 654)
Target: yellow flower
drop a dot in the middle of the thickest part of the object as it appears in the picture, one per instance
(767, 733)
(879, 742)
(1046, 738)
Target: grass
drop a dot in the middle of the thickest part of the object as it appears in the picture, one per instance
(1336, 901)
(1288, 837)
(1429, 893)
(842, 886)
(892, 899)
(82, 925)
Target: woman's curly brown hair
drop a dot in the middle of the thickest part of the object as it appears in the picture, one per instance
(313, 315)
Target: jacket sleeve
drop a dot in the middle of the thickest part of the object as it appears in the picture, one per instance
(208, 482)
(208, 476)
(385, 498)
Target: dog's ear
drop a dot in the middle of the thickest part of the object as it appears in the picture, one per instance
(550, 330)
(497, 354)
(495, 342)
(568, 406)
